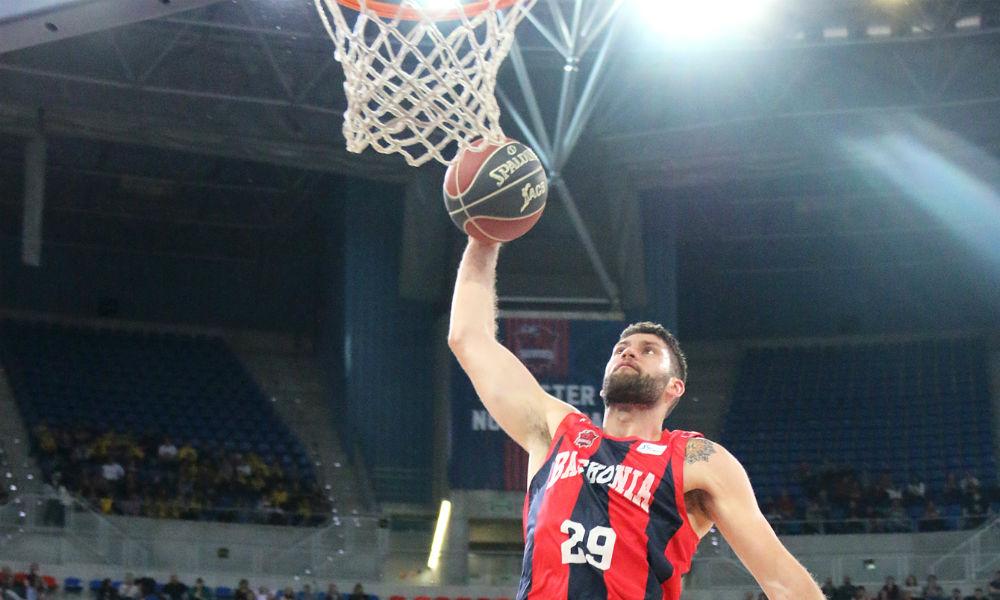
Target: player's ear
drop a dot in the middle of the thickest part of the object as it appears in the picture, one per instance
(675, 387)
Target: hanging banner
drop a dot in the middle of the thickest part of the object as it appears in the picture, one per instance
(566, 357)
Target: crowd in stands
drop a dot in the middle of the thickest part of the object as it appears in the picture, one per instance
(32, 585)
(121, 473)
(29, 585)
(910, 589)
(839, 499)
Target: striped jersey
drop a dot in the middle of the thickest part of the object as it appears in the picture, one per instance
(604, 517)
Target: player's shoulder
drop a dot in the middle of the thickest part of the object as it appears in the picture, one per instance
(706, 462)
(700, 449)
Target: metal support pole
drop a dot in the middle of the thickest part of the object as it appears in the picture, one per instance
(609, 285)
(571, 38)
(34, 198)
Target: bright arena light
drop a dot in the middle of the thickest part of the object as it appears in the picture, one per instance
(439, 532)
(694, 20)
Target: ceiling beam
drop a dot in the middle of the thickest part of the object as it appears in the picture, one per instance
(26, 23)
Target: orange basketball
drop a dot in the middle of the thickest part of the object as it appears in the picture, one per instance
(495, 193)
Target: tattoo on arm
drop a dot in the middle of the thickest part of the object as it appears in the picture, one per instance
(699, 449)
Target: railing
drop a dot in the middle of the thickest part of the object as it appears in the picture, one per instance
(878, 525)
(351, 546)
(975, 558)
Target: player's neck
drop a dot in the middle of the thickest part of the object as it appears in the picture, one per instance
(624, 421)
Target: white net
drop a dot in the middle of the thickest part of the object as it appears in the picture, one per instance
(419, 81)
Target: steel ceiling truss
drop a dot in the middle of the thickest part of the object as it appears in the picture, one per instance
(250, 80)
(573, 29)
(26, 23)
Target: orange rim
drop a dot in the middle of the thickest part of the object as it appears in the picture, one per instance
(390, 11)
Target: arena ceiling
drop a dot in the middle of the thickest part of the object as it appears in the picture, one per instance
(244, 96)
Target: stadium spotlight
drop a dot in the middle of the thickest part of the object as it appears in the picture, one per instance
(691, 20)
(439, 531)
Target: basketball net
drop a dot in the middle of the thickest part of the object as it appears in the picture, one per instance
(421, 81)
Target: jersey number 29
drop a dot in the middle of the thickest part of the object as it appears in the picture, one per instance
(594, 546)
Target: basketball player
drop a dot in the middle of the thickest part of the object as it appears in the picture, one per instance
(613, 511)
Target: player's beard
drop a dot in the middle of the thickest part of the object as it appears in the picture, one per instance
(633, 389)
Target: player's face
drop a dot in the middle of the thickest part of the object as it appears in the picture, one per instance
(639, 352)
(638, 371)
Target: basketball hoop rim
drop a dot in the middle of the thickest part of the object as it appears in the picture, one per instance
(392, 11)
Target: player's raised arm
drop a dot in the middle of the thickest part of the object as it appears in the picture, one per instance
(509, 391)
(728, 500)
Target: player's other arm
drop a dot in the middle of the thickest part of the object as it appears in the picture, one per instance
(728, 500)
(509, 391)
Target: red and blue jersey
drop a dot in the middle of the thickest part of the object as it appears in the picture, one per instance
(604, 517)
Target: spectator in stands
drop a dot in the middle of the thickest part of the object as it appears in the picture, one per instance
(915, 493)
(951, 493)
(55, 513)
(187, 453)
(855, 518)
(147, 586)
(9, 588)
(897, 520)
(911, 588)
(243, 591)
(861, 593)
(129, 589)
(975, 508)
(35, 590)
(813, 517)
(167, 452)
(199, 591)
(994, 586)
(106, 591)
(968, 482)
(846, 590)
(931, 520)
(890, 591)
(358, 593)
(288, 594)
(332, 593)
(174, 589)
(956, 594)
(933, 590)
(307, 593)
(34, 578)
(112, 471)
(893, 490)
(829, 589)
(977, 594)
(264, 593)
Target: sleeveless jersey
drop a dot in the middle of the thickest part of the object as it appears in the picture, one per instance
(604, 517)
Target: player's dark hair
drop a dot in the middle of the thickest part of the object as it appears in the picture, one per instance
(680, 361)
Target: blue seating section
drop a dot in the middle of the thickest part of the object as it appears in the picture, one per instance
(918, 407)
(192, 388)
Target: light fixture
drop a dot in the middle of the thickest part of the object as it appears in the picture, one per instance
(686, 20)
(439, 532)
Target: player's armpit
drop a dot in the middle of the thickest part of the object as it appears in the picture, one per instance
(728, 500)
(511, 395)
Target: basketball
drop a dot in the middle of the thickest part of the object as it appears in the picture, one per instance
(495, 193)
